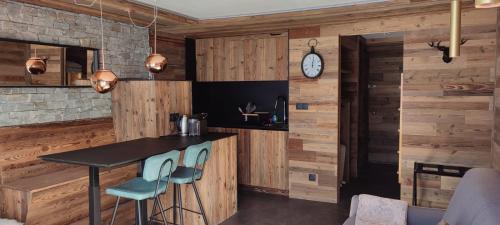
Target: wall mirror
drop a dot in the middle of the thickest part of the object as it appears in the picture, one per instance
(67, 66)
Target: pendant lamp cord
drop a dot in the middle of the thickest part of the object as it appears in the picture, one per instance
(102, 36)
(155, 16)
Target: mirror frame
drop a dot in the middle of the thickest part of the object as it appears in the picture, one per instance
(96, 58)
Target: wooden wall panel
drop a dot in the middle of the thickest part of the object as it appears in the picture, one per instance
(13, 57)
(353, 90)
(175, 52)
(385, 68)
(496, 125)
(20, 146)
(313, 133)
(465, 141)
(142, 108)
(451, 112)
(242, 58)
(35, 191)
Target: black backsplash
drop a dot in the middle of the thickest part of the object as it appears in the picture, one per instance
(221, 99)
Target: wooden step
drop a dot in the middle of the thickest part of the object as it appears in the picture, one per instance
(59, 197)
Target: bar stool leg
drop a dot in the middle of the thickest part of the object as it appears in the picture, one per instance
(163, 216)
(174, 207)
(199, 203)
(181, 216)
(139, 213)
(114, 210)
(152, 211)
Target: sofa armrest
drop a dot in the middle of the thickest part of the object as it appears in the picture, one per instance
(424, 216)
(354, 206)
(415, 216)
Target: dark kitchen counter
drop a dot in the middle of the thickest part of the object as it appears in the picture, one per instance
(123, 153)
(277, 127)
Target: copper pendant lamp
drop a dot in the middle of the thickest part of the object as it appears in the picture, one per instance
(155, 63)
(103, 80)
(487, 3)
(36, 65)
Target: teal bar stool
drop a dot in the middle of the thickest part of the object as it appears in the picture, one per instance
(195, 157)
(154, 182)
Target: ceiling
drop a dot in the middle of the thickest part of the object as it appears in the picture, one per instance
(215, 9)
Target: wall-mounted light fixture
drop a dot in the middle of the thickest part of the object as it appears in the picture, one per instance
(455, 23)
(487, 3)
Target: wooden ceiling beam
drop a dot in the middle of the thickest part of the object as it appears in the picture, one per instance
(116, 10)
(284, 21)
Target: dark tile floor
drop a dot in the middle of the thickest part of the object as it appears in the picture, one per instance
(264, 209)
(375, 179)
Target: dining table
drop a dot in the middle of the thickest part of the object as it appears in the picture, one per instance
(121, 154)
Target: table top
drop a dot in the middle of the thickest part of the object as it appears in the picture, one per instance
(124, 153)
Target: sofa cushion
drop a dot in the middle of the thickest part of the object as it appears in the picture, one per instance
(476, 199)
(424, 216)
(373, 210)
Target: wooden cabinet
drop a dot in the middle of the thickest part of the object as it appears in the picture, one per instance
(141, 108)
(242, 58)
(268, 159)
(262, 158)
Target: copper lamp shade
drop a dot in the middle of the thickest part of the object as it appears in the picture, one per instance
(487, 3)
(103, 81)
(36, 65)
(156, 63)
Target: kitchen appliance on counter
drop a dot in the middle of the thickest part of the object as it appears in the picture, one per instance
(183, 124)
(198, 124)
(194, 125)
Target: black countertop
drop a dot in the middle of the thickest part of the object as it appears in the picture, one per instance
(277, 127)
(123, 153)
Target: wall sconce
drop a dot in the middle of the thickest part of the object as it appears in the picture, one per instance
(444, 49)
(487, 3)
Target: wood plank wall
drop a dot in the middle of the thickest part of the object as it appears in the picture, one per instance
(20, 146)
(142, 108)
(313, 133)
(13, 57)
(467, 83)
(175, 51)
(385, 68)
(242, 58)
(447, 108)
(350, 88)
(496, 127)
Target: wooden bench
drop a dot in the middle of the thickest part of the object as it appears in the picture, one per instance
(37, 192)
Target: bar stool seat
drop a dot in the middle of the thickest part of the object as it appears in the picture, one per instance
(184, 175)
(154, 182)
(195, 157)
(137, 189)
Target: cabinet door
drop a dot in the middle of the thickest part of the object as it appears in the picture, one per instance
(242, 58)
(243, 153)
(268, 159)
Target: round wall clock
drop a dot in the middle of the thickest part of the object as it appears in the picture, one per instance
(312, 63)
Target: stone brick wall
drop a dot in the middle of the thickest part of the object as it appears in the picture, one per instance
(40, 105)
(126, 48)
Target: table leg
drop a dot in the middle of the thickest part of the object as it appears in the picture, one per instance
(141, 208)
(414, 197)
(94, 197)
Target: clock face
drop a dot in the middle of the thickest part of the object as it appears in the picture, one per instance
(312, 65)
